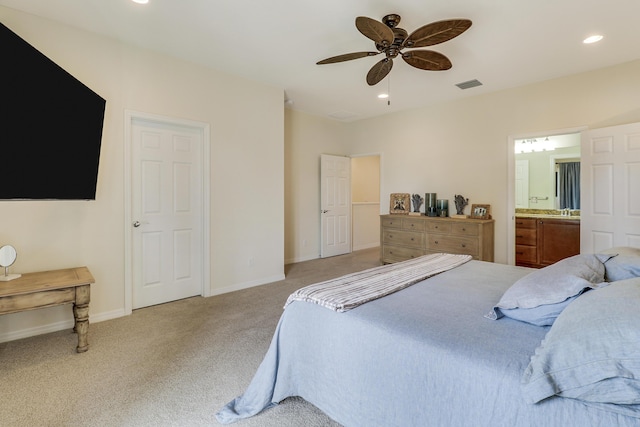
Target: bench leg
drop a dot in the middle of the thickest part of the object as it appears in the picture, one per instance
(81, 327)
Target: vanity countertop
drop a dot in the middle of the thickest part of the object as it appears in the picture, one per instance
(547, 213)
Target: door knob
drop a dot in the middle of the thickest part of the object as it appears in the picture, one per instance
(136, 224)
(323, 211)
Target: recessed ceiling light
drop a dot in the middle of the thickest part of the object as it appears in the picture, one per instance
(140, 1)
(592, 39)
(383, 96)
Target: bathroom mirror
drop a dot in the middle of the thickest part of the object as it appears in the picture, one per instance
(8, 256)
(538, 170)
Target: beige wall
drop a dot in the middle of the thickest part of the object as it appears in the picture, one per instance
(306, 138)
(462, 147)
(247, 178)
(365, 179)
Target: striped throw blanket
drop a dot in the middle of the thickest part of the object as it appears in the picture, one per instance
(347, 292)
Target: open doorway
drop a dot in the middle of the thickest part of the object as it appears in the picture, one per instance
(539, 152)
(365, 201)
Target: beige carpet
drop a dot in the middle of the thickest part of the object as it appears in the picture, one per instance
(174, 364)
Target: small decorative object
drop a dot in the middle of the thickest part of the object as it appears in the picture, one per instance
(442, 206)
(430, 207)
(460, 202)
(481, 211)
(7, 258)
(400, 203)
(417, 201)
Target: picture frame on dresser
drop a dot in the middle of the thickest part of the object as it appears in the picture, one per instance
(400, 203)
(480, 212)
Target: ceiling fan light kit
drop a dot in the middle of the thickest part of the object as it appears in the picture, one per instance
(392, 40)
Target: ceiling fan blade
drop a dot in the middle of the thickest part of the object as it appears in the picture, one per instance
(427, 60)
(379, 71)
(437, 32)
(375, 30)
(346, 57)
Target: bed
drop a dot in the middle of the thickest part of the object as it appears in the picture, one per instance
(434, 353)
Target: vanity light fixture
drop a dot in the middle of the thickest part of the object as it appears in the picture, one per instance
(533, 145)
(383, 96)
(593, 39)
(140, 1)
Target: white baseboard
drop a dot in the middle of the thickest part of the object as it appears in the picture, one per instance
(246, 285)
(57, 326)
(37, 330)
(300, 259)
(366, 246)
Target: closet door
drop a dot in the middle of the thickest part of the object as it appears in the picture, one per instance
(610, 188)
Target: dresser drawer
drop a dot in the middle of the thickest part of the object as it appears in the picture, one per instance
(465, 229)
(399, 253)
(526, 236)
(413, 224)
(438, 226)
(526, 255)
(454, 245)
(388, 222)
(404, 238)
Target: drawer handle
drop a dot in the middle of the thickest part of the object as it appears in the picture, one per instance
(464, 246)
(412, 239)
(519, 235)
(519, 253)
(464, 229)
(435, 226)
(436, 242)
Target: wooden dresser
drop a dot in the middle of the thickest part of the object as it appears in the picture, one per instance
(404, 237)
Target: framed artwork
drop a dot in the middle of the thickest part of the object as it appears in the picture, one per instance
(481, 211)
(400, 203)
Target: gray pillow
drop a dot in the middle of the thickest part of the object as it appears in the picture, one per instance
(554, 284)
(624, 264)
(592, 351)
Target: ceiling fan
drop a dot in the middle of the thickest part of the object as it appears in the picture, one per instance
(391, 40)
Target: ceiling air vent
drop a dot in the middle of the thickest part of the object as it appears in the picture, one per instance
(469, 84)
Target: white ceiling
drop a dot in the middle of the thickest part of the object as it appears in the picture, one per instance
(278, 42)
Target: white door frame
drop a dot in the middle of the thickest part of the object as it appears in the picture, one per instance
(511, 183)
(205, 128)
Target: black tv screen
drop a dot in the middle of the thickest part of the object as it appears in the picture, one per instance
(50, 127)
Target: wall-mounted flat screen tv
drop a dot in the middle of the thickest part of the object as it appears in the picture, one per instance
(50, 127)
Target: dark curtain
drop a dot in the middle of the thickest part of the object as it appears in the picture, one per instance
(569, 185)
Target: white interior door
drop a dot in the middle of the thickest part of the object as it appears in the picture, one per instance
(167, 220)
(522, 184)
(335, 205)
(610, 188)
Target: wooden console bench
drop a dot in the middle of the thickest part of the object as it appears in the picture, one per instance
(50, 288)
